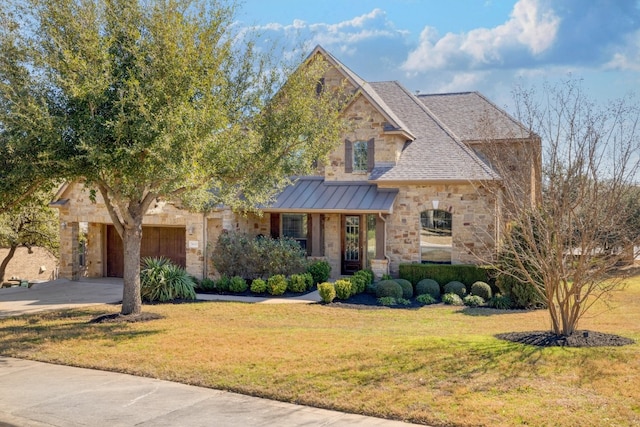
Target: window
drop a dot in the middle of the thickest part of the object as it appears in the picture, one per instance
(359, 156)
(360, 151)
(435, 236)
(295, 227)
(371, 238)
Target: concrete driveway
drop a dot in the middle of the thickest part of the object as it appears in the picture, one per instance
(58, 294)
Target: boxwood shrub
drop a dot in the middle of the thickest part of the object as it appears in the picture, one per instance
(428, 287)
(343, 289)
(277, 285)
(327, 292)
(388, 288)
(407, 288)
(455, 287)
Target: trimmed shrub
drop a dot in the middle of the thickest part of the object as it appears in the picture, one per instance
(277, 285)
(162, 281)
(387, 301)
(428, 287)
(258, 286)
(371, 288)
(455, 287)
(473, 301)
(426, 299)
(407, 288)
(359, 282)
(297, 283)
(522, 295)
(207, 284)
(481, 289)
(343, 288)
(327, 292)
(388, 288)
(223, 284)
(369, 274)
(452, 299)
(320, 271)
(501, 302)
(308, 279)
(237, 284)
(403, 301)
(444, 273)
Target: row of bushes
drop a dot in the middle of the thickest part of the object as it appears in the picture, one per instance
(277, 284)
(161, 280)
(345, 288)
(506, 289)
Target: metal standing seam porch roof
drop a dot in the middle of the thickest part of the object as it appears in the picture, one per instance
(314, 194)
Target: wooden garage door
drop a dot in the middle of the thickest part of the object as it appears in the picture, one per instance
(168, 242)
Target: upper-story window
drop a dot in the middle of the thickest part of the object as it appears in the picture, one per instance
(359, 156)
(360, 151)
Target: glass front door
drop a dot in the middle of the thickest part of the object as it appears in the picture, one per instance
(351, 244)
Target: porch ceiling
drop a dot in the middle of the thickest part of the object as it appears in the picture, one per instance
(314, 194)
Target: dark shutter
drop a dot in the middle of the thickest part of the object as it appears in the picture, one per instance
(371, 151)
(309, 235)
(275, 225)
(348, 156)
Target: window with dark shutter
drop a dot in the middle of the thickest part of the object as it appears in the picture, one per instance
(348, 156)
(370, 155)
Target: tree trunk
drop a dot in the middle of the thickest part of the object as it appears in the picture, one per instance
(5, 261)
(132, 240)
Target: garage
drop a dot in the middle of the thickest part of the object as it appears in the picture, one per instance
(168, 242)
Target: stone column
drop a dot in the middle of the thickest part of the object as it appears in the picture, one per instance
(380, 265)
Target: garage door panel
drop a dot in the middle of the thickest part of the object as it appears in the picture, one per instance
(168, 242)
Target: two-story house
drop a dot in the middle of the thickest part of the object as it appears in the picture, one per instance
(417, 178)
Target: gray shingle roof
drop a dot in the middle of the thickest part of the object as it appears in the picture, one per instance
(472, 117)
(436, 154)
(312, 194)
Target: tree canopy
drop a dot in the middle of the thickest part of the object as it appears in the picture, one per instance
(156, 99)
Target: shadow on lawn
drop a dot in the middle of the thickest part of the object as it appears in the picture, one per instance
(31, 332)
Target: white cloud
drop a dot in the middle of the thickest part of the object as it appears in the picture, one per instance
(531, 29)
(626, 57)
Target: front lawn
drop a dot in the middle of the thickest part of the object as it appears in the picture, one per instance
(438, 365)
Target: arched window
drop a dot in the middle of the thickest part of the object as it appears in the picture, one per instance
(435, 236)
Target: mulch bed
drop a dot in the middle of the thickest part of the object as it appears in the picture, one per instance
(121, 318)
(577, 339)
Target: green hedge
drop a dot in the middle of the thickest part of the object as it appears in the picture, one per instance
(445, 273)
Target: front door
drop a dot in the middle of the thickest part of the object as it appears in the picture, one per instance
(351, 244)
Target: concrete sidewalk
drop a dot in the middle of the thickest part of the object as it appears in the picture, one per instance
(38, 394)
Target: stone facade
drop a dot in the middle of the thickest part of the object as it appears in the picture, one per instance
(474, 205)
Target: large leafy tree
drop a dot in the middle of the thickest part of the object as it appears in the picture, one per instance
(162, 99)
(569, 245)
(28, 224)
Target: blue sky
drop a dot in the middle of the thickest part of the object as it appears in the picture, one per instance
(435, 46)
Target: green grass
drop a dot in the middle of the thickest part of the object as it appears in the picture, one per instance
(439, 365)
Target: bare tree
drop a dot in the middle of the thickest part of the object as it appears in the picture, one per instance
(567, 245)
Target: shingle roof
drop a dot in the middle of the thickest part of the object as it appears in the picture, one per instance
(435, 154)
(312, 194)
(472, 117)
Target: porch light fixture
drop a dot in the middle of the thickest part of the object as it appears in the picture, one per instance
(435, 204)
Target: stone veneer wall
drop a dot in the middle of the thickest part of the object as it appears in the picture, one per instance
(79, 208)
(369, 124)
(473, 212)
